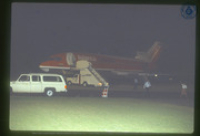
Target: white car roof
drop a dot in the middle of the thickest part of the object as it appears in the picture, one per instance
(43, 74)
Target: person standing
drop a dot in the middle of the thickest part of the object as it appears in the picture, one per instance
(147, 86)
(135, 83)
(184, 90)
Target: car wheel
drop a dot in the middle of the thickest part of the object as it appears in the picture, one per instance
(49, 92)
(85, 84)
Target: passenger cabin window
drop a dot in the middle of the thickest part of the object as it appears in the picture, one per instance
(36, 78)
(24, 78)
(51, 79)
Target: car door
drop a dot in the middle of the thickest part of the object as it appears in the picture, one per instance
(36, 85)
(23, 84)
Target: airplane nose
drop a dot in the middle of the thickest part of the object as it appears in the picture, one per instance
(44, 66)
(47, 65)
(45, 69)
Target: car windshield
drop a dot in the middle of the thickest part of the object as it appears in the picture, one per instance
(24, 78)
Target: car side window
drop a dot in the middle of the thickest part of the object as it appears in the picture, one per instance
(51, 79)
(59, 79)
(35, 78)
(24, 78)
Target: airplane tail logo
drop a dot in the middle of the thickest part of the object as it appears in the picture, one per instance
(151, 56)
(154, 52)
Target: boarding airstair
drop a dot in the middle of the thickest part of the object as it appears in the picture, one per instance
(85, 65)
(80, 65)
(98, 76)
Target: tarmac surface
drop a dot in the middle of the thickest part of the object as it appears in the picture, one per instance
(161, 93)
(169, 94)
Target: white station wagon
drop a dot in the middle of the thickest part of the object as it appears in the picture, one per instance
(39, 83)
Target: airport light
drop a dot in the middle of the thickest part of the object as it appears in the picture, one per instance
(100, 84)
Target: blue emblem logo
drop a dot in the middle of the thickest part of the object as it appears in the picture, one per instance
(188, 11)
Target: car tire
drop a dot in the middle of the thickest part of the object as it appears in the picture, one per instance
(49, 92)
(85, 84)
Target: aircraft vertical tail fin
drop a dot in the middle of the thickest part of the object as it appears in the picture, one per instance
(151, 56)
(154, 52)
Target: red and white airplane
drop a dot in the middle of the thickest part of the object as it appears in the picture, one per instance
(142, 62)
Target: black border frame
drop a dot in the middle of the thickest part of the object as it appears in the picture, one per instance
(5, 31)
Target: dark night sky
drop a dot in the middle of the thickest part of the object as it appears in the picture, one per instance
(41, 30)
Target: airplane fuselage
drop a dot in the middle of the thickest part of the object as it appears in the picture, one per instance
(142, 62)
(99, 62)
